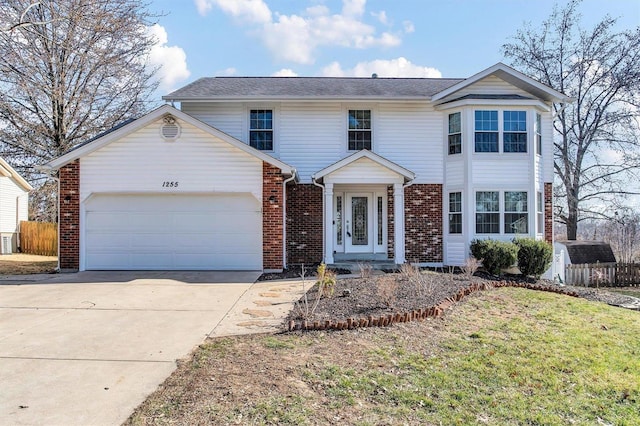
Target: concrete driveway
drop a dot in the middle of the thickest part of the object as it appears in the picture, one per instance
(88, 348)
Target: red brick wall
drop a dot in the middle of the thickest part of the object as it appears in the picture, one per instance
(390, 224)
(423, 223)
(70, 216)
(548, 212)
(272, 212)
(304, 224)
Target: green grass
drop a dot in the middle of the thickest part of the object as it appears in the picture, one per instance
(503, 357)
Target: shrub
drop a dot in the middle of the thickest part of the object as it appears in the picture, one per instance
(495, 255)
(471, 265)
(534, 256)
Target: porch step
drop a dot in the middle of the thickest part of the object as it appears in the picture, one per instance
(354, 266)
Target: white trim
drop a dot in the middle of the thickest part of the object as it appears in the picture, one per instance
(150, 118)
(511, 76)
(405, 173)
(493, 102)
(8, 171)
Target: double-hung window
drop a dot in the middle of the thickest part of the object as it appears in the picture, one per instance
(516, 217)
(261, 129)
(515, 131)
(540, 212)
(455, 212)
(359, 129)
(486, 135)
(455, 134)
(487, 212)
(537, 130)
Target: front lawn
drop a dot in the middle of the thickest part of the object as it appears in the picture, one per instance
(507, 356)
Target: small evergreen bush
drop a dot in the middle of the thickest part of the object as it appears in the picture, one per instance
(534, 256)
(495, 255)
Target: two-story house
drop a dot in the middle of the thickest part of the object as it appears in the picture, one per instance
(258, 173)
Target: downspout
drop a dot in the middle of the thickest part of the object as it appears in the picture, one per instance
(324, 233)
(404, 234)
(284, 218)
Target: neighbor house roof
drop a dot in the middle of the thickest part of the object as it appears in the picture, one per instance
(7, 170)
(242, 88)
(589, 252)
(131, 126)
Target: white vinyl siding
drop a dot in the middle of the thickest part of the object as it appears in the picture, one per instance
(228, 117)
(13, 205)
(410, 135)
(311, 136)
(142, 161)
(492, 85)
(363, 171)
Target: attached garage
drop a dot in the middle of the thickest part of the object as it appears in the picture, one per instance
(173, 232)
(169, 192)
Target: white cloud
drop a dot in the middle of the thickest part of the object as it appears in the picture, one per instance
(381, 16)
(296, 37)
(408, 27)
(285, 72)
(253, 11)
(353, 8)
(171, 60)
(400, 67)
(227, 72)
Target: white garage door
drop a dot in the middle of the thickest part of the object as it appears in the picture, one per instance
(173, 232)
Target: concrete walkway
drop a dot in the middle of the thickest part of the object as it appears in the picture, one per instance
(88, 348)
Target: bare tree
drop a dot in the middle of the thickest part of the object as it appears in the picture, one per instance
(69, 70)
(597, 141)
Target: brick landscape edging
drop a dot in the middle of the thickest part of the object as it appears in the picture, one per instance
(418, 314)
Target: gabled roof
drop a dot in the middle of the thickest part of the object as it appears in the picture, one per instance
(589, 252)
(405, 173)
(131, 126)
(315, 88)
(7, 170)
(511, 76)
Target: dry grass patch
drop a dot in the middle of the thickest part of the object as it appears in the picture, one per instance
(21, 264)
(501, 357)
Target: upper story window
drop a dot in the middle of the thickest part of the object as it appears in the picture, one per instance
(537, 130)
(359, 129)
(455, 133)
(455, 212)
(486, 125)
(515, 131)
(261, 129)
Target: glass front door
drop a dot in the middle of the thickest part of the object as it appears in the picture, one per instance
(359, 223)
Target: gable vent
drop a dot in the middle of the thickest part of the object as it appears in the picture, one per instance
(170, 129)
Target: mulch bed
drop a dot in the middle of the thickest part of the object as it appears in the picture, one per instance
(383, 300)
(295, 271)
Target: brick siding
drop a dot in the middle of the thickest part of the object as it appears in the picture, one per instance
(304, 224)
(70, 216)
(423, 223)
(272, 212)
(548, 212)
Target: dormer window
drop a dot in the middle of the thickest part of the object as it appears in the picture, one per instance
(261, 129)
(359, 129)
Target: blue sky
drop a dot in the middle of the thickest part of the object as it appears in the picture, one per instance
(394, 38)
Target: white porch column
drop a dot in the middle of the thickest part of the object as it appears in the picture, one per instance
(398, 222)
(328, 223)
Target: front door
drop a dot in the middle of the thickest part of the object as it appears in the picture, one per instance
(359, 236)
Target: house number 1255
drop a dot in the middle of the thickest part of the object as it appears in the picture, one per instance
(173, 184)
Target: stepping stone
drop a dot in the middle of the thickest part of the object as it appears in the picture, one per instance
(270, 294)
(257, 313)
(252, 324)
(263, 302)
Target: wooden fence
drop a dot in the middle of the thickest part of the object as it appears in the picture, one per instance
(39, 238)
(604, 275)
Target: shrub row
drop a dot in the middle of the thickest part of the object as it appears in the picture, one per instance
(533, 257)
